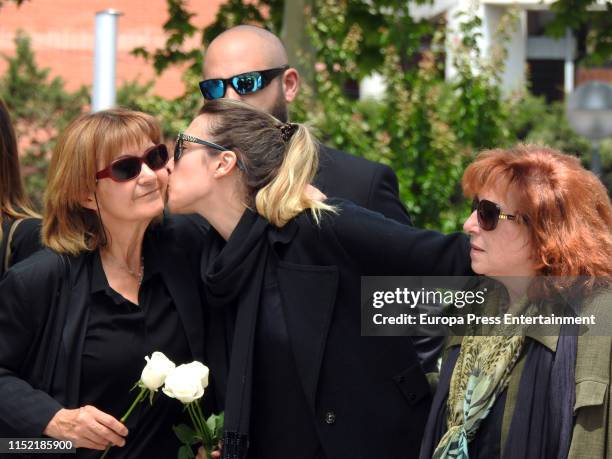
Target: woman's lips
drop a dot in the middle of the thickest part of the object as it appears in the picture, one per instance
(149, 193)
(476, 248)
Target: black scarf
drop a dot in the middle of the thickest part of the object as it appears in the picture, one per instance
(235, 279)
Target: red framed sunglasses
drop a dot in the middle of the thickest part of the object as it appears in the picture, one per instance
(129, 167)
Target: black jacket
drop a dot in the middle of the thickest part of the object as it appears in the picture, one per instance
(366, 183)
(368, 395)
(373, 186)
(43, 321)
(25, 241)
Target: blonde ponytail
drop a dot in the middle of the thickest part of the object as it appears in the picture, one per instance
(285, 196)
(278, 160)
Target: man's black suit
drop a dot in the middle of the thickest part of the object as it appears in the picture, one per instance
(365, 183)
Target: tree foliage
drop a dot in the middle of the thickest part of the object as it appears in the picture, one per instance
(426, 128)
(178, 28)
(40, 107)
(17, 2)
(592, 24)
(588, 19)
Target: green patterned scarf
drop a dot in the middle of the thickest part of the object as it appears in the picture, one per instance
(481, 373)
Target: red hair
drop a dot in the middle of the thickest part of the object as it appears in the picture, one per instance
(565, 207)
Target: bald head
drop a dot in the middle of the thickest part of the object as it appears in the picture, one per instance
(247, 48)
(244, 48)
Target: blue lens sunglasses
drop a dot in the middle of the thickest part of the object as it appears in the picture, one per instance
(243, 84)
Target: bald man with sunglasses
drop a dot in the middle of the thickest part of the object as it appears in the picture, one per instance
(249, 63)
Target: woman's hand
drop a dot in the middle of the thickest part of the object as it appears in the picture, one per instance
(202, 454)
(312, 192)
(87, 427)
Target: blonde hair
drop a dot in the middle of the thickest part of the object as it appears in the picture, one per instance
(13, 202)
(277, 160)
(88, 143)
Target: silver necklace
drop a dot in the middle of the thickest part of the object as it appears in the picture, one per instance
(138, 275)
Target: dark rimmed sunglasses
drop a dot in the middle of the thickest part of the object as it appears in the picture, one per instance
(179, 148)
(129, 167)
(243, 84)
(181, 138)
(489, 214)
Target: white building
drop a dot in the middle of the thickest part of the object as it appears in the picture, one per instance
(547, 62)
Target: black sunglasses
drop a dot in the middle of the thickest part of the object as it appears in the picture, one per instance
(181, 138)
(179, 149)
(243, 84)
(489, 214)
(129, 167)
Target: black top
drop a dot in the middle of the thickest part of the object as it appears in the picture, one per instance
(281, 425)
(45, 317)
(25, 241)
(374, 186)
(119, 335)
(366, 396)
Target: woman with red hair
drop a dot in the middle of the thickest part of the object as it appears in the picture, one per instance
(540, 226)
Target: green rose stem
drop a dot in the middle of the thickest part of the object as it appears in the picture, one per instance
(193, 417)
(205, 430)
(199, 410)
(139, 398)
(197, 419)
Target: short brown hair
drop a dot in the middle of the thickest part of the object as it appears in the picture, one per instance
(565, 207)
(89, 142)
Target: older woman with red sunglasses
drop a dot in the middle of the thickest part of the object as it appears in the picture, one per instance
(115, 284)
(540, 226)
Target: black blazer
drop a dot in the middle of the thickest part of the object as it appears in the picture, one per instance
(367, 395)
(373, 186)
(43, 321)
(26, 240)
(366, 183)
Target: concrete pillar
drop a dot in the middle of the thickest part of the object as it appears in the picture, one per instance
(568, 79)
(105, 60)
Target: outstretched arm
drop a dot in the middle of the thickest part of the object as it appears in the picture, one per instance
(384, 196)
(382, 247)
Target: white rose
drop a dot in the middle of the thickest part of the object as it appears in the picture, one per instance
(202, 370)
(155, 372)
(184, 383)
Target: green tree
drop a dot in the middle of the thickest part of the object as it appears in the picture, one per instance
(590, 21)
(426, 128)
(40, 107)
(17, 2)
(174, 114)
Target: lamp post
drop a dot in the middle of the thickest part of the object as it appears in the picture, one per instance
(589, 112)
(105, 60)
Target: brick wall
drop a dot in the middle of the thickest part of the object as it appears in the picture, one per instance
(62, 33)
(584, 75)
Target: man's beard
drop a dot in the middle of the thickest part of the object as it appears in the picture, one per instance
(279, 109)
